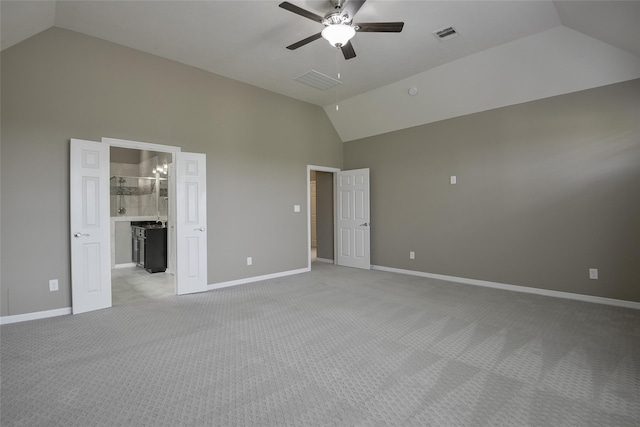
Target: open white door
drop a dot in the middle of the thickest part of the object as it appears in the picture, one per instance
(89, 221)
(171, 214)
(353, 219)
(191, 223)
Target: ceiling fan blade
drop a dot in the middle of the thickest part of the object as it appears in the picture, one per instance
(304, 41)
(348, 51)
(380, 27)
(300, 11)
(352, 7)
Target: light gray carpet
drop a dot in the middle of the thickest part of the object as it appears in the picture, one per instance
(336, 346)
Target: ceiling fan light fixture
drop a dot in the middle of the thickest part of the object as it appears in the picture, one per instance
(338, 35)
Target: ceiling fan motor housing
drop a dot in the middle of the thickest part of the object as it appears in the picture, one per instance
(337, 4)
(335, 18)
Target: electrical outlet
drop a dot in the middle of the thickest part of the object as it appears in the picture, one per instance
(593, 273)
(453, 179)
(53, 285)
(249, 260)
(412, 255)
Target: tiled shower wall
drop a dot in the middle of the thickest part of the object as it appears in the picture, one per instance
(130, 203)
(147, 202)
(137, 204)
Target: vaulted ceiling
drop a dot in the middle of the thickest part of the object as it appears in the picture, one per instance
(245, 40)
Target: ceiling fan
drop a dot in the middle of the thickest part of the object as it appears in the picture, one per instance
(339, 28)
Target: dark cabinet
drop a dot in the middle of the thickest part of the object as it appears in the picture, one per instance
(155, 251)
(150, 247)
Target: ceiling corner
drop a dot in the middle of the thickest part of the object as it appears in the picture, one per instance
(614, 22)
(20, 20)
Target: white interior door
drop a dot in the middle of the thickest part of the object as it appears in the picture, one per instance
(353, 219)
(191, 223)
(89, 221)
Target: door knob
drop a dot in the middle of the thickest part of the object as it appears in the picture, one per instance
(78, 235)
(199, 229)
(366, 224)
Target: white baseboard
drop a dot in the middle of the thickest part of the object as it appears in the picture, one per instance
(5, 320)
(256, 279)
(328, 261)
(516, 288)
(129, 264)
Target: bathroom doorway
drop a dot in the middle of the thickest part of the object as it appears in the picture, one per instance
(142, 258)
(92, 231)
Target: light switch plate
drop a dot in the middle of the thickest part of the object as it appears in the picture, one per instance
(296, 208)
(454, 179)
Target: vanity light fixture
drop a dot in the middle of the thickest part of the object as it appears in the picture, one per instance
(160, 169)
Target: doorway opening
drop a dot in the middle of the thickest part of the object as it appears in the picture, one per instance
(142, 249)
(321, 183)
(91, 232)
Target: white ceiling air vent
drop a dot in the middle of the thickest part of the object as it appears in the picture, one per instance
(317, 80)
(446, 33)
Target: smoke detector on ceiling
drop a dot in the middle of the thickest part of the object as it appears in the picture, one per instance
(446, 33)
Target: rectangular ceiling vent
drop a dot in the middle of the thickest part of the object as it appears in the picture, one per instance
(446, 33)
(317, 80)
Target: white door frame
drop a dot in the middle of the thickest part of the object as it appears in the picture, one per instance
(333, 171)
(172, 205)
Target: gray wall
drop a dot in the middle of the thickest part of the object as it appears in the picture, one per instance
(324, 210)
(59, 85)
(123, 243)
(546, 190)
(125, 155)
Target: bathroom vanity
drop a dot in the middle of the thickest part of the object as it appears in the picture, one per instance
(149, 245)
